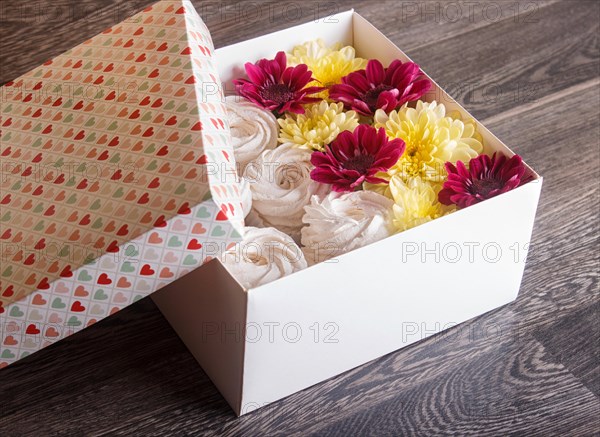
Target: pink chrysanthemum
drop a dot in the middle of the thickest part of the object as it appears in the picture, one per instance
(356, 157)
(278, 88)
(366, 91)
(485, 178)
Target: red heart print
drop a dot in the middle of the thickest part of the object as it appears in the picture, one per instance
(77, 307)
(184, 209)
(160, 222)
(144, 199)
(222, 215)
(194, 244)
(44, 284)
(103, 279)
(147, 270)
(32, 330)
(29, 260)
(66, 272)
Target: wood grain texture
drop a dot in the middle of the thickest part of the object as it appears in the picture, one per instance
(530, 368)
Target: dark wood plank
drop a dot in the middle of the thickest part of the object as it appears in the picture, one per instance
(504, 65)
(50, 28)
(568, 340)
(466, 399)
(527, 369)
(562, 269)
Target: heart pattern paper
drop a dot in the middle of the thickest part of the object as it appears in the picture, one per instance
(117, 176)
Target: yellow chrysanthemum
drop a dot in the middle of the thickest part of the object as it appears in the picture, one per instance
(318, 126)
(432, 139)
(328, 64)
(415, 202)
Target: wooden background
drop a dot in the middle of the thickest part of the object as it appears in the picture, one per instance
(530, 71)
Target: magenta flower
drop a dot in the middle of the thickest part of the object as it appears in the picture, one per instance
(274, 87)
(354, 158)
(485, 178)
(366, 91)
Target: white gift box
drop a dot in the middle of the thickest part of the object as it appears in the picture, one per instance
(263, 344)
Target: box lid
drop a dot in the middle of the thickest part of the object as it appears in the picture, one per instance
(108, 141)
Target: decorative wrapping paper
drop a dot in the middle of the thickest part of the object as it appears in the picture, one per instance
(118, 176)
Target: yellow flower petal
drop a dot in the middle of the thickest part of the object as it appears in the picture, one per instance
(328, 64)
(318, 126)
(415, 202)
(432, 138)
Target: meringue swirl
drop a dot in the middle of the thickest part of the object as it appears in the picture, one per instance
(253, 130)
(340, 223)
(281, 187)
(264, 255)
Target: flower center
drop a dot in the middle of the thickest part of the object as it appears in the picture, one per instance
(360, 163)
(277, 92)
(371, 96)
(484, 187)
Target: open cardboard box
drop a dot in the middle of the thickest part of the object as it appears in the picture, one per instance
(263, 344)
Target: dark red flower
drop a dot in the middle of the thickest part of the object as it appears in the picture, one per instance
(366, 91)
(274, 87)
(354, 158)
(485, 178)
